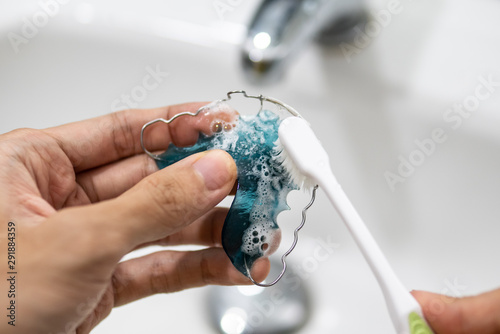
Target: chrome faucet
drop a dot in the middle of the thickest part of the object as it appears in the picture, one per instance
(281, 28)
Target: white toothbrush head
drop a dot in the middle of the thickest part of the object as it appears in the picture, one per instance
(301, 153)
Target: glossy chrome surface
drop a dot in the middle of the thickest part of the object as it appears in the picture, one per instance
(280, 309)
(280, 29)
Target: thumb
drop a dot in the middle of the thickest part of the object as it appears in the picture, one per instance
(447, 315)
(172, 198)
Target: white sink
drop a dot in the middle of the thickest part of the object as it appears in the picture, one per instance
(439, 228)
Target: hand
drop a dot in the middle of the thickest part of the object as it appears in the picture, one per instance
(470, 315)
(83, 195)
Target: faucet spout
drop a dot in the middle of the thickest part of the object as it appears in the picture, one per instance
(281, 28)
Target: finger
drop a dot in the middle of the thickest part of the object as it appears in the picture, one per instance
(161, 204)
(170, 271)
(98, 141)
(206, 231)
(176, 196)
(114, 179)
(447, 315)
(108, 138)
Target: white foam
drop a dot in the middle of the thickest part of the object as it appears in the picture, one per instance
(262, 237)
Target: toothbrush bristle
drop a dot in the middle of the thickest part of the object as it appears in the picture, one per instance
(291, 168)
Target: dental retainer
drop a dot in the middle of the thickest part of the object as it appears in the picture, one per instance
(250, 229)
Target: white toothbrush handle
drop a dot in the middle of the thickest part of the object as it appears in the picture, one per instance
(400, 302)
(311, 160)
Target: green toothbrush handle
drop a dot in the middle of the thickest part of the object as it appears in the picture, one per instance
(418, 325)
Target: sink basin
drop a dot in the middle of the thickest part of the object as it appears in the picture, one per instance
(432, 204)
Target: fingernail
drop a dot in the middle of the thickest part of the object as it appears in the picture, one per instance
(215, 168)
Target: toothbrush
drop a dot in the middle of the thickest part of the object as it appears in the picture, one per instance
(308, 163)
